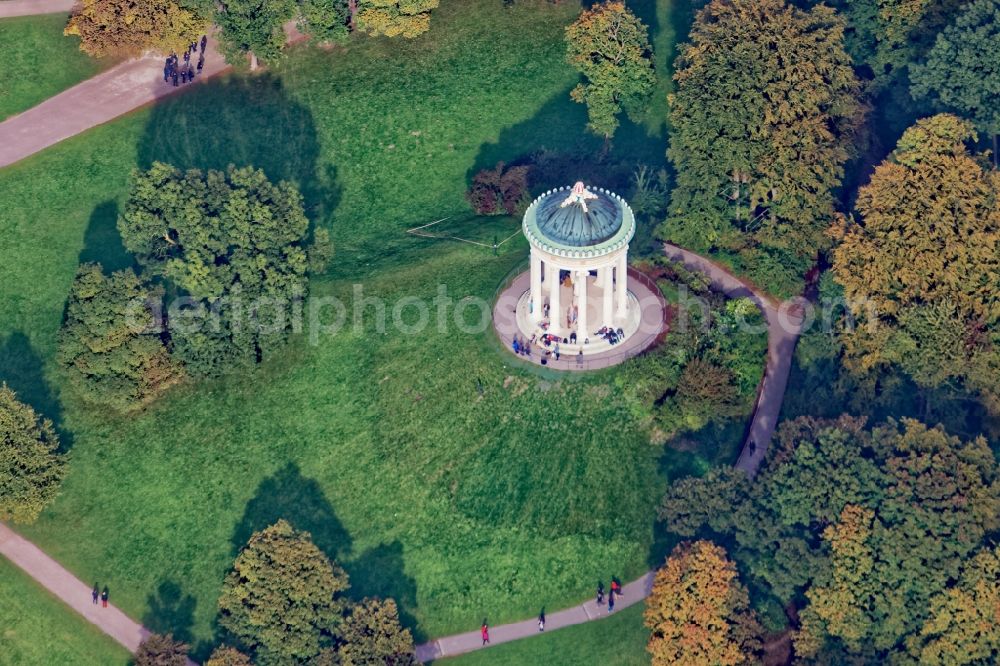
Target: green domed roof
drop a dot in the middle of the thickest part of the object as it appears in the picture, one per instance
(571, 226)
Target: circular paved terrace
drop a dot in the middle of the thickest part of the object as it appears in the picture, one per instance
(648, 323)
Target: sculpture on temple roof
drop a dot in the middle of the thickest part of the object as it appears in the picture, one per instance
(578, 195)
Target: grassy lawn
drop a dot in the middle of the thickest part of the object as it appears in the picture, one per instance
(37, 629)
(619, 640)
(37, 61)
(433, 467)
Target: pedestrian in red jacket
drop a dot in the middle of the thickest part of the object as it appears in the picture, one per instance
(485, 631)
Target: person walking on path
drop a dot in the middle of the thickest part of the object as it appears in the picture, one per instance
(600, 593)
(94, 594)
(611, 601)
(541, 620)
(616, 587)
(104, 597)
(485, 632)
(204, 43)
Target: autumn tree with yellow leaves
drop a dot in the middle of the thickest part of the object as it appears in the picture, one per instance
(699, 613)
(920, 263)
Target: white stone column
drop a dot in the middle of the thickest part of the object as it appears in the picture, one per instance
(536, 287)
(607, 296)
(582, 328)
(620, 286)
(555, 311)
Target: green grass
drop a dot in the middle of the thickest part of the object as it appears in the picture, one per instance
(619, 640)
(435, 468)
(38, 629)
(37, 61)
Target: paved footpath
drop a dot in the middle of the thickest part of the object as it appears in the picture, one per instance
(95, 101)
(12, 8)
(71, 590)
(784, 322)
(634, 592)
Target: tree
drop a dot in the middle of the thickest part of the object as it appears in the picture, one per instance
(128, 27)
(764, 115)
(228, 656)
(939, 500)
(920, 264)
(282, 599)
(255, 27)
(326, 21)
(393, 18)
(610, 47)
(161, 650)
(897, 510)
(31, 467)
(889, 35)
(964, 621)
(962, 70)
(498, 191)
(371, 634)
(232, 246)
(698, 612)
(110, 344)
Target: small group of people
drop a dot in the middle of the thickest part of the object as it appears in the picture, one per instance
(174, 71)
(610, 334)
(522, 347)
(616, 591)
(98, 594)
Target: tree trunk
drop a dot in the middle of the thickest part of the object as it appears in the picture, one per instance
(352, 7)
(253, 62)
(995, 156)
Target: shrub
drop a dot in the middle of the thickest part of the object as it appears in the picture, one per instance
(498, 191)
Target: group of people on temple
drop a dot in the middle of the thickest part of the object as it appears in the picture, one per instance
(174, 71)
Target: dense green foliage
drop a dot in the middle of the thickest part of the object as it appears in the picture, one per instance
(698, 612)
(921, 265)
(233, 245)
(39, 630)
(710, 364)
(763, 117)
(610, 48)
(282, 596)
(46, 62)
(161, 650)
(110, 344)
(962, 69)
(31, 467)
(900, 508)
(371, 634)
(886, 36)
(962, 627)
(255, 27)
(325, 21)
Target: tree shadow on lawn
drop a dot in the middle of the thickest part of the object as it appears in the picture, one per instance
(23, 370)
(378, 572)
(101, 241)
(245, 121)
(171, 611)
(564, 151)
